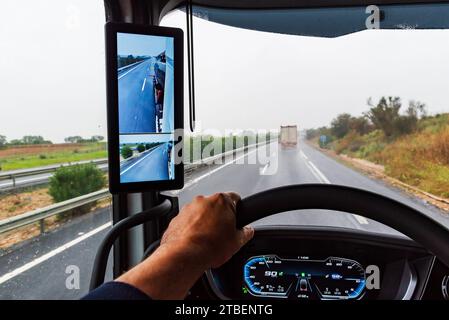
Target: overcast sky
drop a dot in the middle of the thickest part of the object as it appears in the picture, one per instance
(52, 72)
(140, 45)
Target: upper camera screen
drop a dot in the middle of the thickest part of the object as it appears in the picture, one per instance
(145, 75)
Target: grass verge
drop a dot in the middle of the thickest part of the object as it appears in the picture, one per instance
(25, 157)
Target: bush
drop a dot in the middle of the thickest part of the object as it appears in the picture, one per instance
(42, 156)
(141, 148)
(74, 181)
(147, 146)
(341, 125)
(440, 147)
(126, 152)
(350, 143)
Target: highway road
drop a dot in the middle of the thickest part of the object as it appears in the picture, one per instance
(136, 99)
(36, 269)
(151, 165)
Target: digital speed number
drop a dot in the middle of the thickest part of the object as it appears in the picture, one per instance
(273, 274)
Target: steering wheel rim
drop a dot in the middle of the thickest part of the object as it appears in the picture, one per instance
(416, 225)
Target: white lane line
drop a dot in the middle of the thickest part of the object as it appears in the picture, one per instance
(35, 262)
(143, 85)
(137, 162)
(197, 179)
(262, 172)
(313, 172)
(129, 71)
(321, 177)
(303, 155)
(312, 169)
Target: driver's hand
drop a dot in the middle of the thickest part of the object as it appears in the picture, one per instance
(206, 226)
(203, 235)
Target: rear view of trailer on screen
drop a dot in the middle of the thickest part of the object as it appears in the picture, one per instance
(144, 100)
(146, 107)
(145, 83)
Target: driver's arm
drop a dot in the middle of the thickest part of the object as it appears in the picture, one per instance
(203, 235)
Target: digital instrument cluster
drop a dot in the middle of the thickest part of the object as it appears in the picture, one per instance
(332, 278)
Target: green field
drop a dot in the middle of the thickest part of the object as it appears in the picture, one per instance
(37, 156)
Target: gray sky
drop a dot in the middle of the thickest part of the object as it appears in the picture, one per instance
(52, 72)
(140, 45)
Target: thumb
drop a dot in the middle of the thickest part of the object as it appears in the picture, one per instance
(244, 235)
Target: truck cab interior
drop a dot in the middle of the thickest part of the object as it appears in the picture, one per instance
(289, 260)
(353, 213)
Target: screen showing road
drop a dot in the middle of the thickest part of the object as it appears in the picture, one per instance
(145, 76)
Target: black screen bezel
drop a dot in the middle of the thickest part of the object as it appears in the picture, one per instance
(111, 30)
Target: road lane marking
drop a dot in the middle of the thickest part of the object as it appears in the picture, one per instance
(197, 179)
(37, 261)
(129, 71)
(137, 162)
(319, 173)
(264, 169)
(143, 85)
(313, 172)
(321, 177)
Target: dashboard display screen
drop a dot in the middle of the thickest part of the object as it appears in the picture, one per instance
(329, 279)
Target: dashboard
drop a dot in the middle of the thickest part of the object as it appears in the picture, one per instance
(304, 278)
(322, 263)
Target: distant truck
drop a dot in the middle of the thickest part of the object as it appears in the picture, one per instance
(288, 137)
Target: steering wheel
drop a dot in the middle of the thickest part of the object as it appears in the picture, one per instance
(427, 232)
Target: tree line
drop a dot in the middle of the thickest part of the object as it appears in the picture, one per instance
(126, 151)
(26, 140)
(123, 61)
(385, 115)
(79, 139)
(35, 140)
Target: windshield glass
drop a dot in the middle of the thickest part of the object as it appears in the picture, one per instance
(366, 109)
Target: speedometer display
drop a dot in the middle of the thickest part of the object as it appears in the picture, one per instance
(302, 278)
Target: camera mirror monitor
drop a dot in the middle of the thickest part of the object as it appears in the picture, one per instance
(144, 71)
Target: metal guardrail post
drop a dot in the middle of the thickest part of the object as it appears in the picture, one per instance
(42, 225)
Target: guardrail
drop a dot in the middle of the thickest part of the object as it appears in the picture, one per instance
(39, 215)
(129, 66)
(191, 166)
(14, 174)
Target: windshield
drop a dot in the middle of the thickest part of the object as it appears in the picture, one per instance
(307, 103)
(366, 109)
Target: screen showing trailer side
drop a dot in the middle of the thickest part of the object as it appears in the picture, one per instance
(145, 76)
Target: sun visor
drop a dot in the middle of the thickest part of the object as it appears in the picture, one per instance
(329, 22)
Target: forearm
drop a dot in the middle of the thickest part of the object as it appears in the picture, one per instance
(167, 274)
